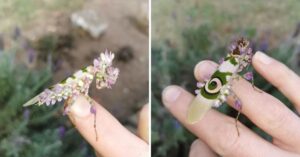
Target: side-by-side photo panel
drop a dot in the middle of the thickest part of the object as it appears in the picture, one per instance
(74, 78)
(225, 76)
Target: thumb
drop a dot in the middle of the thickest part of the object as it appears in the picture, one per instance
(114, 140)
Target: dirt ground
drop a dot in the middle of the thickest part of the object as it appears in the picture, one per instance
(126, 35)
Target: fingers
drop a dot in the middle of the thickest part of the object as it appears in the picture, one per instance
(218, 130)
(279, 75)
(112, 135)
(288, 83)
(200, 149)
(143, 124)
(265, 111)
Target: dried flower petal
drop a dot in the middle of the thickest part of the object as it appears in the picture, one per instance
(93, 109)
(61, 132)
(96, 62)
(238, 104)
(200, 84)
(248, 76)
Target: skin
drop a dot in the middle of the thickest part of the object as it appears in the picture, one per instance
(216, 131)
(114, 140)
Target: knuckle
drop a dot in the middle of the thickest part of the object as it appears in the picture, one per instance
(227, 139)
(276, 117)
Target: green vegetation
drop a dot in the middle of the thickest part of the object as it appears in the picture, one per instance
(34, 131)
(225, 18)
(23, 12)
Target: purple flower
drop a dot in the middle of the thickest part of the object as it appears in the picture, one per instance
(16, 33)
(221, 60)
(96, 63)
(248, 76)
(93, 109)
(249, 52)
(200, 84)
(61, 132)
(197, 91)
(26, 114)
(45, 97)
(57, 64)
(57, 89)
(106, 75)
(264, 45)
(176, 124)
(243, 50)
(238, 104)
(112, 75)
(31, 55)
(232, 46)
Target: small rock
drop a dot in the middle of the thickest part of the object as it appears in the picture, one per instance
(141, 18)
(89, 21)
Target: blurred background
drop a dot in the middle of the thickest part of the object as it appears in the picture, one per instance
(44, 41)
(185, 32)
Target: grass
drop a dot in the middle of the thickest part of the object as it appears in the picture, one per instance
(169, 17)
(22, 12)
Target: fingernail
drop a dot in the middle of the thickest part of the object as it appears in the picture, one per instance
(81, 107)
(206, 69)
(194, 149)
(171, 94)
(263, 58)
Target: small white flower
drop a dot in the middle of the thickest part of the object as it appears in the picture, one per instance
(79, 74)
(107, 57)
(222, 98)
(217, 103)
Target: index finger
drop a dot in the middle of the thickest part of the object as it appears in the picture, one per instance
(114, 140)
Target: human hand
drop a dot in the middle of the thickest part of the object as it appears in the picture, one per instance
(114, 140)
(216, 132)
